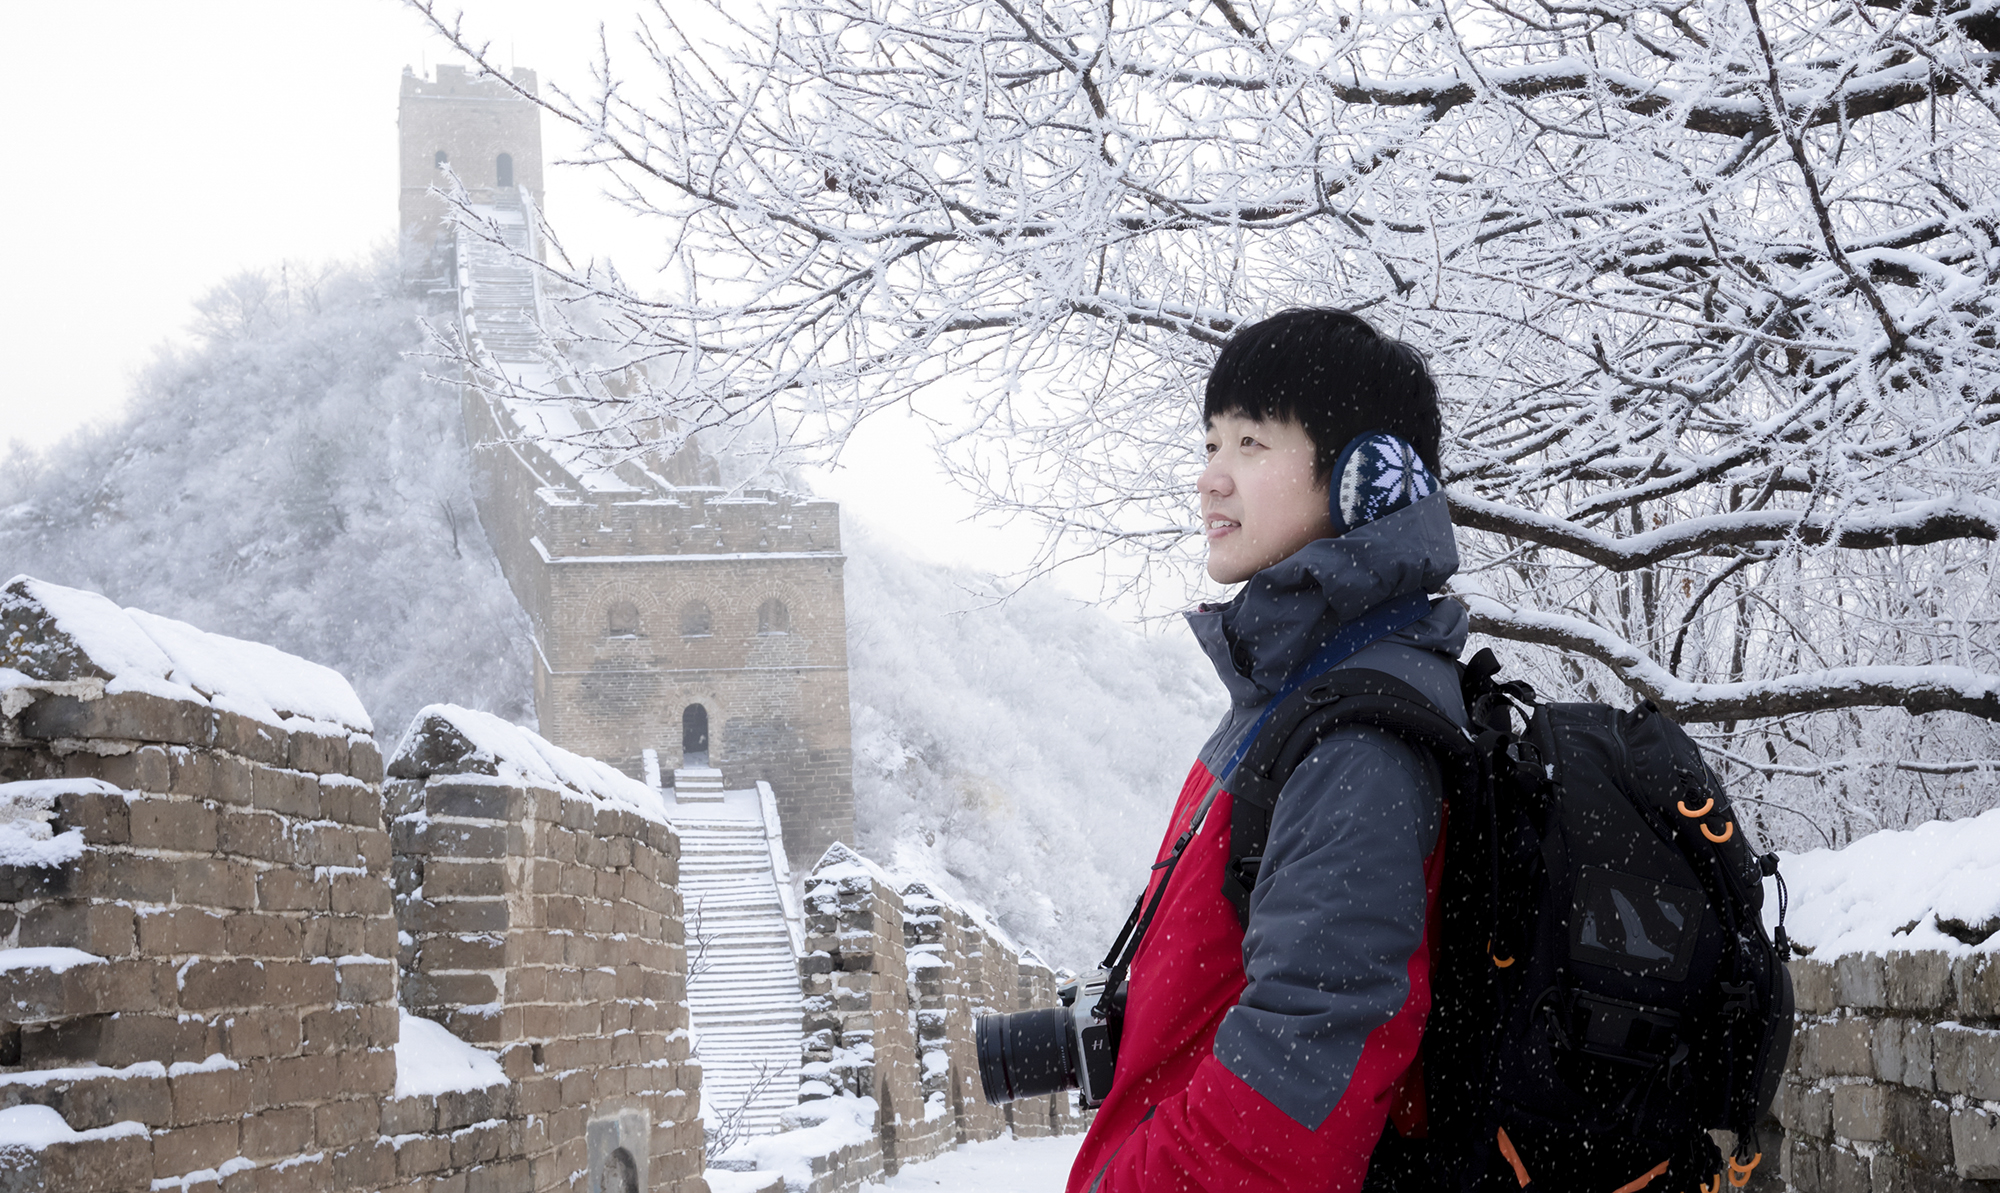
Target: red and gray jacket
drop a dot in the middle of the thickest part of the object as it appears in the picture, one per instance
(1269, 1058)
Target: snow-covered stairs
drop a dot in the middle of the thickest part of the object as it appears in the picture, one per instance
(500, 286)
(745, 988)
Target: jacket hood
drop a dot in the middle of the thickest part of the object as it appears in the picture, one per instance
(1287, 611)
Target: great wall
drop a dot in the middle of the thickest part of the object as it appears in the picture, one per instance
(241, 951)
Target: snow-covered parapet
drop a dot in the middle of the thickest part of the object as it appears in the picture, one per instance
(1894, 1076)
(445, 739)
(77, 644)
(1936, 886)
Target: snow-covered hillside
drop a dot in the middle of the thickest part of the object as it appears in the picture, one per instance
(294, 480)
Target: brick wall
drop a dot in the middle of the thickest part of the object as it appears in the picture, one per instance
(893, 981)
(1893, 1082)
(545, 925)
(777, 702)
(230, 1009)
(200, 944)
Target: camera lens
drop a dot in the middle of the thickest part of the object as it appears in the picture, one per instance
(1026, 1054)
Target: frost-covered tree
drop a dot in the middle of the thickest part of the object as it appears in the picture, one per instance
(290, 479)
(1710, 286)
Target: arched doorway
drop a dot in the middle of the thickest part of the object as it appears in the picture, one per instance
(694, 736)
(503, 170)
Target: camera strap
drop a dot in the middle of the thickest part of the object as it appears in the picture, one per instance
(1365, 630)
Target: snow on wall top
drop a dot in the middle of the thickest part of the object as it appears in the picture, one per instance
(446, 739)
(27, 813)
(1936, 886)
(55, 635)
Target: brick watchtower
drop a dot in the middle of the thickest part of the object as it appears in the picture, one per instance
(487, 133)
(672, 615)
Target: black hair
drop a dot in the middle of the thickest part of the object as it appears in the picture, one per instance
(1332, 373)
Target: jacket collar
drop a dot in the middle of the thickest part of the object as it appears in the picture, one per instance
(1289, 609)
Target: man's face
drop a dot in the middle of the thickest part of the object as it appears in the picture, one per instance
(1259, 501)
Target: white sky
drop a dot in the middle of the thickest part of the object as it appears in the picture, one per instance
(156, 148)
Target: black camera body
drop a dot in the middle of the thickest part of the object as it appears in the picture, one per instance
(1074, 1046)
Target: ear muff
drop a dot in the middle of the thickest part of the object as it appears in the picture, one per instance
(1375, 475)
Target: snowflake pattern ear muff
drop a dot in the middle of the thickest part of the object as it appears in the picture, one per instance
(1375, 475)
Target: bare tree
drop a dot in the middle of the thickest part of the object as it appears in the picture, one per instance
(1710, 286)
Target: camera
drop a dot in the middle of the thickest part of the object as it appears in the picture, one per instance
(1074, 1046)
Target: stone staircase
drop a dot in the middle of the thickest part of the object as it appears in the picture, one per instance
(745, 988)
(499, 287)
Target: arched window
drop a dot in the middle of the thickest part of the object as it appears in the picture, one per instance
(694, 736)
(441, 158)
(503, 169)
(695, 620)
(773, 617)
(622, 620)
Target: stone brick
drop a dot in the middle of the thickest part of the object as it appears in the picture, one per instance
(292, 890)
(1919, 1128)
(316, 752)
(144, 769)
(1919, 981)
(366, 981)
(101, 929)
(1805, 1109)
(1975, 1144)
(276, 1134)
(215, 984)
(410, 1116)
(129, 716)
(169, 823)
(234, 780)
(261, 1032)
(420, 1157)
(455, 915)
(104, 818)
(249, 738)
(188, 1149)
(102, 1101)
(210, 1096)
(174, 931)
(291, 1080)
(131, 1038)
(216, 882)
(286, 792)
(299, 983)
(122, 1165)
(340, 1124)
(264, 935)
(350, 801)
(250, 832)
(445, 877)
(364, 759)
(1977, 981)
(1902, 1050)
(1967, 1060)
(466, 798)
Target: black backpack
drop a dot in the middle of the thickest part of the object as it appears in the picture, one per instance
(1604, 991)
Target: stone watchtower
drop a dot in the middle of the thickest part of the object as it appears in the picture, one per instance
(701, 625)
(488, 135)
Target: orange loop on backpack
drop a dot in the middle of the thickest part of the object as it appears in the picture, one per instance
(1739, 1174)
(1645, 1178)
(1695, 813)
(1728, 831)
(1714, 1188)
(1498, 963)
(1513, 1157)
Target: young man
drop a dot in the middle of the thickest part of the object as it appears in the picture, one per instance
(1271, 1057)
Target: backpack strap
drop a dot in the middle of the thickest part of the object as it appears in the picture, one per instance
(1342, 697)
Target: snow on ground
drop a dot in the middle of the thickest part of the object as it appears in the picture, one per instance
(430, 1060)
(1897, 889)
(996, 1166)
